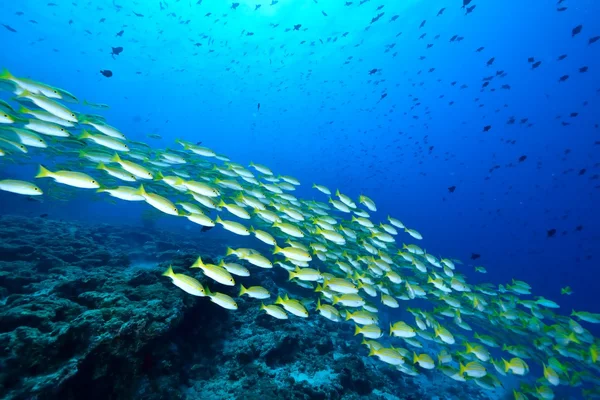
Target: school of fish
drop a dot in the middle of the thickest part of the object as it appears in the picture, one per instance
(355, 267)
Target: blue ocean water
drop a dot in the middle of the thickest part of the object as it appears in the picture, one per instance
(477, 125)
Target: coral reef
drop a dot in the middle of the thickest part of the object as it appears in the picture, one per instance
(85, 313)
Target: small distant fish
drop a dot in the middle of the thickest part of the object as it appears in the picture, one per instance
(116, 51)
(522, 158)
(451, 189)
(593, 39)
(106, 72)
(566, 290)
(475, 256)
(576, 31)
(120, 33)
(487, 128)
(550, 232)
(10, 28)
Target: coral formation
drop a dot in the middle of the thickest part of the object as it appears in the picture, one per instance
(85, 313)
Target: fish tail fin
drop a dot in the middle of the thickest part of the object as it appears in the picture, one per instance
(356, 330)
(292, 275)
(116, 158)
(198, 263)
(461, 369)
(84, 135)
(44, 172)
(279, 300)
(242, 290)
(141, 191)
(574, 338)
(23, 110)
(506, 365)
(468, 347)
(348, 315)
(371, 351)
(101, 166)
(6, 75)
(159, 176)
(169, 272)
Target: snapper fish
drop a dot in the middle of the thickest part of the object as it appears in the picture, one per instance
(185, 283)
(20, 187)
(70, 178)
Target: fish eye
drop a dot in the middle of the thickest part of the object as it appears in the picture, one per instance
(72, 115)
(55, 91)
(62, 130)
(36, 189)
(93, 181)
